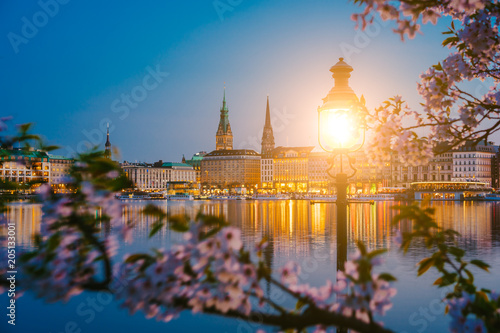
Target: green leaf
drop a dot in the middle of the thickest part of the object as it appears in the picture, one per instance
(481, 264)
(138, 256)
(438, 281)
(424, 265)
(361, 247)
(469, 275)
(153, 210)
(53, 242)
(483, 295)
(457, 252)
(387, 277)
(300, 304)
(211, 220)
(155, 228)
(27, 256)
(438, 66)
(450, 40)
(376, 253)
(50, 148)
(179, 223)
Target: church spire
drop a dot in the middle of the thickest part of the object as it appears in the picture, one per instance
(268, 114)
(107, 145)
(224, 99)
(224, 136)
(267, 134)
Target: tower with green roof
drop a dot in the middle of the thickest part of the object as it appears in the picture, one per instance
(224, 136)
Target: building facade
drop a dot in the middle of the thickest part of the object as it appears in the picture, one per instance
(319, 179)
(472, 162)
(22, 166)
(290, 169)
(224, 169)
(441, 167)
(266, 172)
(60, 168)
(495, 169)
(195, 162)
(34, 166)
(159, 176)
(367, 178)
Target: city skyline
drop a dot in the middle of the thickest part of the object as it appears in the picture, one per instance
(265, 53)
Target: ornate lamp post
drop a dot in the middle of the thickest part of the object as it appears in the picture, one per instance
(341, 130)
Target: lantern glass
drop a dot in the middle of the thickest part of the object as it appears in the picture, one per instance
(339, 129)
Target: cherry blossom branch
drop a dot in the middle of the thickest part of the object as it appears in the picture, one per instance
(313, 317)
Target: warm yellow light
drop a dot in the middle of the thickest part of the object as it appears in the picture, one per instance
(338, 129)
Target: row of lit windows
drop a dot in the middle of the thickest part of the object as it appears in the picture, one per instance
(472, 156)
(483, 162)
(473, 169)
(469, 175)
(424, 178)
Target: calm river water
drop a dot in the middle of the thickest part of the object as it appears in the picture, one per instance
(297, 231)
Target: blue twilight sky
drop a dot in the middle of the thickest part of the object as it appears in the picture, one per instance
(89, 62)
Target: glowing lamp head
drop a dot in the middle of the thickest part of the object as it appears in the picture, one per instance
(338, 129)
(340, 123)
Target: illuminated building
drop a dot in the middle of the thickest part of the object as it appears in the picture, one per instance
(472, 162)
(319, 180)
(23, 166)
(26, 166)
(60, 167)
(159, 176)
(224, 169)
(441, 167)
(290, 169)
(369, 178)
(195, 162)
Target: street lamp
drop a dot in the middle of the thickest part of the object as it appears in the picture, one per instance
(341, 130)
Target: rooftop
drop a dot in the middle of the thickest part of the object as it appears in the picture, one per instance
(232, 152)
(60, 157)
(175, 164)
